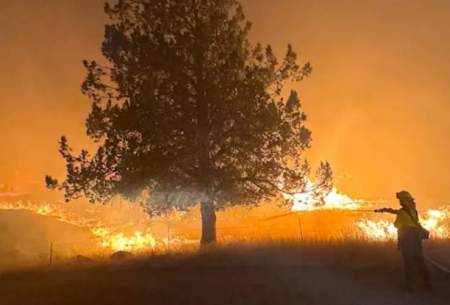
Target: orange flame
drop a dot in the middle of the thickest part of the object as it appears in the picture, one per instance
(107, 235)
(436, 221)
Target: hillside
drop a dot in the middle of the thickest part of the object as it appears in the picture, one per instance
(315, 273)
(25, 239)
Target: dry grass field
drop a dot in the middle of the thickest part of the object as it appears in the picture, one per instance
(309, 273)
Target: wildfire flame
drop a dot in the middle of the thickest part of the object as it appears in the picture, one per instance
(435, 221)
(108, 237)
(120, 241)
(118, 237)
(307, 201)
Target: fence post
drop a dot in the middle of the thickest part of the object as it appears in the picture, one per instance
(168, 236)
(50, 257)
(300, 228)
(448, 223)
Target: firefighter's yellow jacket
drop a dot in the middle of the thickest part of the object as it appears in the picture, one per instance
(407, 217)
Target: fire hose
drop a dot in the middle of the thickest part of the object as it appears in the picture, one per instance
(430, 260)
(437, 265)
(295, 212)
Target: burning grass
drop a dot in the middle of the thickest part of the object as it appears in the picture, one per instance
(125, 227)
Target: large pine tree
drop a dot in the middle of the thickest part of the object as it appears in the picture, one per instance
(188, 111)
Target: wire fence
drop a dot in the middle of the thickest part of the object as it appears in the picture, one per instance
(288, 226)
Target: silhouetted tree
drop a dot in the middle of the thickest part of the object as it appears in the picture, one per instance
(187, 110)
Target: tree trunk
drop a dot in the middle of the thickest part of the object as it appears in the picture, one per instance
(208, 223)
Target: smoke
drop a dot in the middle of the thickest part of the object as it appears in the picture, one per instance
(25, 239)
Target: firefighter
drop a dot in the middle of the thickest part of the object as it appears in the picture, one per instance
(410, 235)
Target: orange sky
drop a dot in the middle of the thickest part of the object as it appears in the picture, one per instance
(378, 100)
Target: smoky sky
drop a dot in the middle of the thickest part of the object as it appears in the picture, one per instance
(378, 101)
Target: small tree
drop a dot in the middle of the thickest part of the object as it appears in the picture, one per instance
(187, 111)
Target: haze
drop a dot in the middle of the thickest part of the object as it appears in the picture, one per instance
(378, 101)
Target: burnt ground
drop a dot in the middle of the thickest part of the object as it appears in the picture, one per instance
(315, 274)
